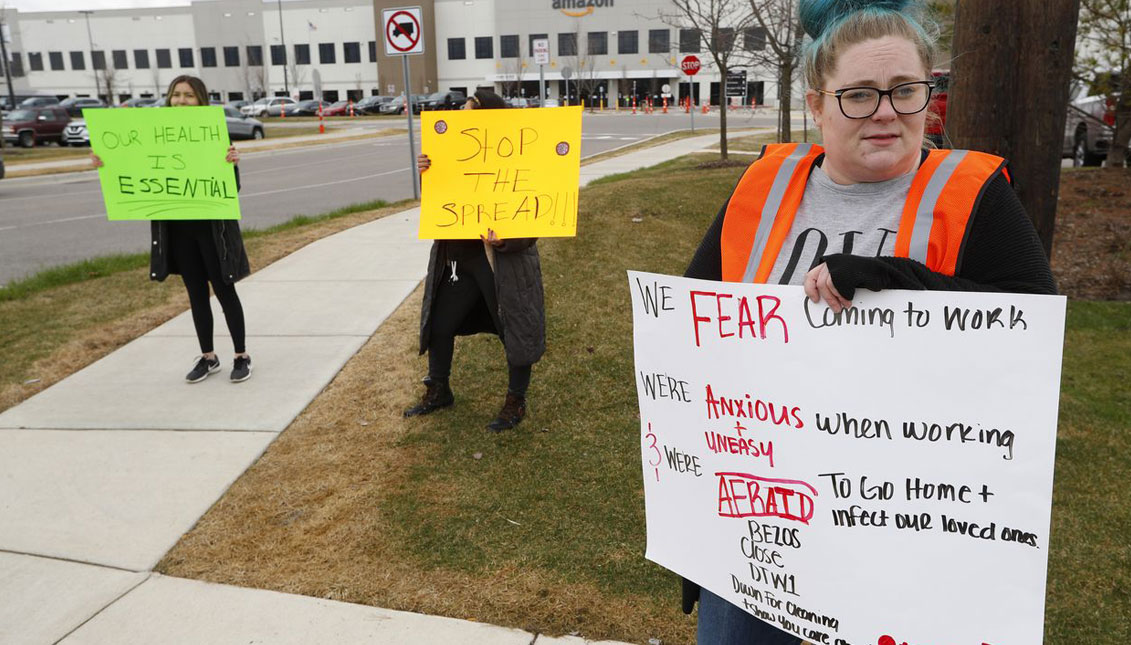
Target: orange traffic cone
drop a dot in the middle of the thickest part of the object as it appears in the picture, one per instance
(351, 108)
(665, 105)
(321, 124)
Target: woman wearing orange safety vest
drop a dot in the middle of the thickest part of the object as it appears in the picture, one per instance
(871, 208)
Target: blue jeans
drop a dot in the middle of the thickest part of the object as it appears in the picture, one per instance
(721, 623)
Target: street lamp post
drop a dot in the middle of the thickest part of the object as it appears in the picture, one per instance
(90, 41)
(283, 44)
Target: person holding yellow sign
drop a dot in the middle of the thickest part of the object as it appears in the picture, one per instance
(203, 251)
(487, 285)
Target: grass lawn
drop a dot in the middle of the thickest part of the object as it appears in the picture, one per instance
(542, 528)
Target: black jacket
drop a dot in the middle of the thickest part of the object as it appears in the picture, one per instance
(518, 292)
(1002, 253)
(229, 247)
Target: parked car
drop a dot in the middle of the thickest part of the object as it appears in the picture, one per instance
(239, 105)
(1, 165)
(444, 101)
(143, 101)
(551, 103)
(6, 106)
(371, 104)
(518, 102)
(396, 106)
(341, 108)
(76, 134)
(936, 128)
(29, 126)
(74, 106)
(274, 106)
(242, 126)
(1088, 130)
(306, 108)
(38, 101)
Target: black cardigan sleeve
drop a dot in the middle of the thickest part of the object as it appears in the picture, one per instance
(1002, 253)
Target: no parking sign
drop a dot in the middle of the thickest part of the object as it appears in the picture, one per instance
(404, 31)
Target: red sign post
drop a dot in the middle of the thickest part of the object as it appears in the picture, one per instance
(690, 66)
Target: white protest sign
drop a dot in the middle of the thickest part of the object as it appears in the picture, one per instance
(877, 477)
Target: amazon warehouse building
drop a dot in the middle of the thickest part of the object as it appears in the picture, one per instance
(601, 52)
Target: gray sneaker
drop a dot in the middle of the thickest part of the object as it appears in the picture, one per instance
(241, 370)
(202, 368)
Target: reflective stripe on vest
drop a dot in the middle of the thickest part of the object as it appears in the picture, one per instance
(753, 227)
(932, 226)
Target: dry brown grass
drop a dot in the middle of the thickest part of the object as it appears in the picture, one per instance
(62, 330)
(309, 517)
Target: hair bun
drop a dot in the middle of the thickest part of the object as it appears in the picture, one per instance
(818, 15)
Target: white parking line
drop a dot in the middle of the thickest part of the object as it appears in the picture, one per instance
(53, 221)
(329, 183)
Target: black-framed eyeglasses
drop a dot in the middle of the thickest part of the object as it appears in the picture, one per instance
(862, 102)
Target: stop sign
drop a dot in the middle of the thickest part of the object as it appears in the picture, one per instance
(690, 65)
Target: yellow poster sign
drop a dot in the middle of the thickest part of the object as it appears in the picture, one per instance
(513, 171)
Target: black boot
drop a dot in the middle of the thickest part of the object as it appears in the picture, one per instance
(514, 409)
(437, 395)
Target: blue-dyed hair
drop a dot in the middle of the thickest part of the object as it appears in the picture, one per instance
(834, 25)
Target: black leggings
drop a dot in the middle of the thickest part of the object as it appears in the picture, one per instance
(193, 252)
(453, 302)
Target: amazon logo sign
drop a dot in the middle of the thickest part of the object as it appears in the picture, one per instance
(579, 8)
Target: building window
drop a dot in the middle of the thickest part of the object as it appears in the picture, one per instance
(689, 41)
(56, 59)
(235, 96)
(78, 61)
(231, 57)
(484, 47)
(326, 53)
(164, 59)
(373, 52)
(330, 96)
(508, 46)
(98, 59)
(302, 55)
(141, 58)
(185, 55)
(534, 37)
(119, 58)
(723, 40)
(628, 42)
(35, 61)
(208, 57)
(567, 44)
(457, 49)
(598, 43)
(16, 64)
(659, 41)
(754, 39)
(351, 52)
(255, 55)
(278, 55)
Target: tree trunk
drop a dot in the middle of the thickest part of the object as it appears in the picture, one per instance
(1117, 155)
(1009, 92)
(723, 100)
(785, 102)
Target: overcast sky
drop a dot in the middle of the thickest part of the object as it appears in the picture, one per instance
(75, 5)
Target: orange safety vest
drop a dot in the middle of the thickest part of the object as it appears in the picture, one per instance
(943, 195)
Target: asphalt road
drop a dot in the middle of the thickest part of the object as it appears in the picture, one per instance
(58, 219)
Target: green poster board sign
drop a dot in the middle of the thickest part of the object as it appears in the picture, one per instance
(164, 163)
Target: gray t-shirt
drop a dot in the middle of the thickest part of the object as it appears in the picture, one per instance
(858, 219)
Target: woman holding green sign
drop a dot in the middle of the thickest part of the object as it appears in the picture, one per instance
(477, 286)
(203, 252)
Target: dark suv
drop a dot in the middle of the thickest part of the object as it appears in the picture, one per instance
(28, 126)
(444, 101)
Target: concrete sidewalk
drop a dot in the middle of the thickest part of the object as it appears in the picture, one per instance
(105, 471)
